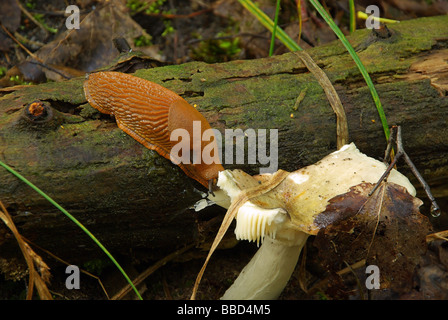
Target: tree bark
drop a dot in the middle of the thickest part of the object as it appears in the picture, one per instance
(131, 197)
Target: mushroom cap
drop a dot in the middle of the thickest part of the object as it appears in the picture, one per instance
(306, 191)
(294, 204)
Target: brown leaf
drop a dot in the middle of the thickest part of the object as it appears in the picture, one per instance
(432, 274)
(33, 261)
(386, 229)
(87, 48)
(10, 15)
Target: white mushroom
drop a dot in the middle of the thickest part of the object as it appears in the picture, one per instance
(283, 218)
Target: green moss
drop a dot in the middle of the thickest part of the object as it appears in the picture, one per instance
(150, 7)
(143, 40)
(223, 47)
(97, 266)
(18, 80)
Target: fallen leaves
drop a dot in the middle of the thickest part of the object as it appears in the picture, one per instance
(76, 51)
(386, 229)
(39, 272)
(432, 276)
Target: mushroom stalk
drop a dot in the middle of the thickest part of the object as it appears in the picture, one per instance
(267, 274)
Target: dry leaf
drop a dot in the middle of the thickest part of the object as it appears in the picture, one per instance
(33, 261)
(386, 229)
(87, 48)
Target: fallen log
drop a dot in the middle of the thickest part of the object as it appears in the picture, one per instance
(132, 199)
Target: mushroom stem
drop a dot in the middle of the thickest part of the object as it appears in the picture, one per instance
(267, 274)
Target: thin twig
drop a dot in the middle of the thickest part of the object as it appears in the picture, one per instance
(19, 43)
(391, 141)
(323, 282)
(358, 283)
(43, 65)
(435, 209)
(142, 276)
(386, 173)
(28, 41)
(31, 17)
(67, 263)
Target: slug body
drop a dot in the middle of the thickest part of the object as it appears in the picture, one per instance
(149, 113)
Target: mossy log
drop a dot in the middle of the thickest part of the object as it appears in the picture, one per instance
(134, 200)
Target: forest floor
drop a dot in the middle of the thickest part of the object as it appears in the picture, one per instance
(172, 32)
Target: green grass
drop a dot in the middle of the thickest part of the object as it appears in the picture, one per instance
(351, 6)
(274, 29)
(269, 24)
(72, 218)
(293, 46)
(358, 62)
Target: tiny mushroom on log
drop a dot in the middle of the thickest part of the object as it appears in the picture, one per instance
(283, 218)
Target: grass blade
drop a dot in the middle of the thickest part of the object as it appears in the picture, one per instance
(277, 10)
(351, 5)
(358, 62)
(269, 24)
(72, 218)
(293, 46)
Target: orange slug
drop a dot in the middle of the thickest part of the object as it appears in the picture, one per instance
(149, 113)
